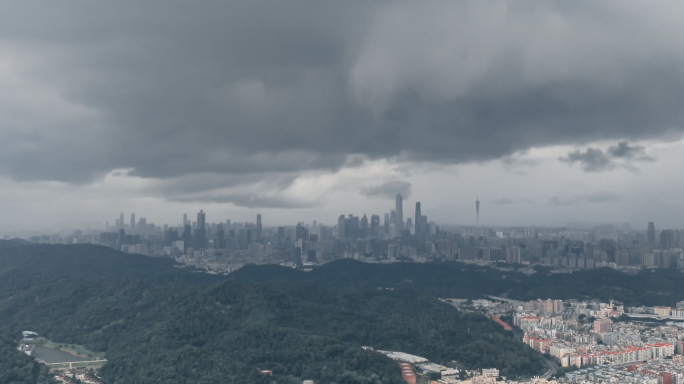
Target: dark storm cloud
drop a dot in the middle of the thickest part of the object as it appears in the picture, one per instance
(624, 151)
(389, 189)
(171, 89)
(621, 155)
(591, 160)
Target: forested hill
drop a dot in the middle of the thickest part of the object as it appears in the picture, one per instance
(94, 262)
(163, 324)
(455, 279)
(16, 367)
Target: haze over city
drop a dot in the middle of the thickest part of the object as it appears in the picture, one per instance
(550, 112)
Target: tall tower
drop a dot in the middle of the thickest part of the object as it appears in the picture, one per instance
(416, 221)
(201, 219)
(185, 219)
(399, 215)
(477, 212)
(341, 224)
(132, 221)
(651, 237)
(121, 220)
(259, 228)
(201, 232)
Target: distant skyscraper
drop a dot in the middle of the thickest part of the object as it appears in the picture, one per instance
(132, 220)
(201, 231)
(417, 219)
(187, 237)
(259, 228)
(220, 237)
(185, 219)
(341, 224)
(375, 226)
(399, 215)
(651, 237)
(385, 224)
(477, 212)
(352, 229)
(667, 239)
(121, 220)
(201, 219)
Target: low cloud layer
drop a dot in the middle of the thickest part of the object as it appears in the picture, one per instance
(389, 189)
(597, 197)
(621, 155)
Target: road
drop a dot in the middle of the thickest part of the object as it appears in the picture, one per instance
(517, 302)
(553, 367)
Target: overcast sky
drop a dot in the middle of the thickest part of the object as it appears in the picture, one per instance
(551, 111)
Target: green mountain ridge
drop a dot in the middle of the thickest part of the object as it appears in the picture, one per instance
(460, 280)
(163, 324)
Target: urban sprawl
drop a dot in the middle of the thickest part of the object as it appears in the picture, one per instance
(222, 247)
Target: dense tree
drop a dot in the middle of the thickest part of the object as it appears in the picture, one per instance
(16, 367)
(169, 325)
(159, 323)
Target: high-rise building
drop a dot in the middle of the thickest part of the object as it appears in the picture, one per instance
(201, 231)
(185, 219)
(201, 220)
(667, 239)
(341, 224)
(399, 214)
(386, 224)
(187, 237)
(651, 239)
(352, 229)
(513, 255)
(375, 226)
(259, 228)
(417, 219)
(121, 220)
(132, 221)
(363, 232)
(220, 237)
(477, 212)
(602, 325)
(301, 232)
